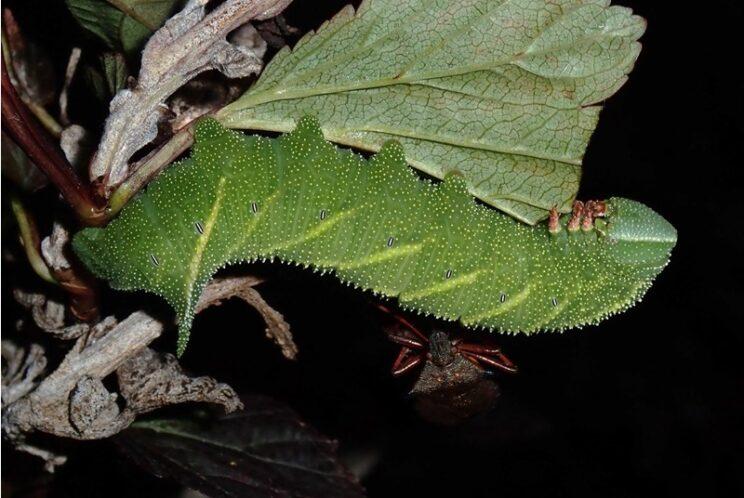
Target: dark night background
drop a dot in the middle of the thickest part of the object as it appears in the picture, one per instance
(649, 403)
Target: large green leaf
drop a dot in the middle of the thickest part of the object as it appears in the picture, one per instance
(502, 90)
(122, 24)
(377, 226)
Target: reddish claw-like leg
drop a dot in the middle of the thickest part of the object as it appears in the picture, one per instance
(406, 360)
(407, 342)
(405, 323)
(491, 356)
(500, 363)
(411, 354)
(414, 349)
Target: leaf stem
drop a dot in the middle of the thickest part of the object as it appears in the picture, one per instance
(34, 140)
(149, 168)
(30, 239)
(41, 114)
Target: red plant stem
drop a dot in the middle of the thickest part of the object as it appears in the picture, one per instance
(33, 139)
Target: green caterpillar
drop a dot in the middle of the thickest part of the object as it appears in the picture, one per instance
(375, 224)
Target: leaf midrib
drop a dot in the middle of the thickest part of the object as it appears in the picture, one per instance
(335, 135)
(349, 55)
(301, 92)
(131, 12)
(467, 144)
(242, 451)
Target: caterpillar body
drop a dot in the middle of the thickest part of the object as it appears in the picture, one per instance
(377, 226)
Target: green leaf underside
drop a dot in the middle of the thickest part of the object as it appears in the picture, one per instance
(503, 91)
(377, 226)
(122, 24)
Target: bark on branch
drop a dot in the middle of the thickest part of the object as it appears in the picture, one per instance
(73, 402)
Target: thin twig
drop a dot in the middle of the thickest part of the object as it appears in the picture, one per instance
(25, 130)
(277, 328)
(12, 38)
(30, 238)
(72, 65)
(80, 286)
(149, 168)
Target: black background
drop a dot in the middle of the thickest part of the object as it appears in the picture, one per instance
(650, 403)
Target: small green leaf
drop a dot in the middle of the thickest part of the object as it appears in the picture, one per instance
(122, 24)
(503, 91)
(377, 226)
(106, 77)
(19, 169)
(115, 71)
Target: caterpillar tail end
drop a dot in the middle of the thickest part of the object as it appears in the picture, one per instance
(184, 333)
